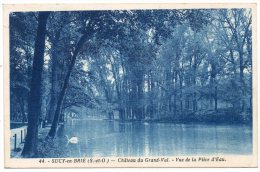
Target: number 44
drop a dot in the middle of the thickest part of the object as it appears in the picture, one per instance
(41, 161)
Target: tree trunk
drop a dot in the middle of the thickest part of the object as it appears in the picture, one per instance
(21, 104)
(211, 84)
(55, 71)
(216, 97)
(194, 98)
(181, 102)
(54, 126)
(242, 83)
(34, 105)
(54, 86)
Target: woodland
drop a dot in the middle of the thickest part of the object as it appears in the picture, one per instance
(189, 65)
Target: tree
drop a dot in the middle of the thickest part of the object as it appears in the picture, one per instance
(34, 104)
(53, 129)
(21, 51)
(236, 26)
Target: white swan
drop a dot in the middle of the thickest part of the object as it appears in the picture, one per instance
(72, 140)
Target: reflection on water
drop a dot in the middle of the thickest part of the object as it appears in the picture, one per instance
(114, 138)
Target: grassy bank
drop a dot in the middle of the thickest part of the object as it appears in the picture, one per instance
(221, 116)
(51, 148)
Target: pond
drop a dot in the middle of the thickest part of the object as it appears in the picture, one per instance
(114, 138)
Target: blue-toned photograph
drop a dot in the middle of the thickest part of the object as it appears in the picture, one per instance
(130, 83)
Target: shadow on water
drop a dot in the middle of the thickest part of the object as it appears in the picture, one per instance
(115, 138)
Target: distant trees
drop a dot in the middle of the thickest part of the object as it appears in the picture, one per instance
(58, 40)
(172, 65)
(21, 53)
(237, 30)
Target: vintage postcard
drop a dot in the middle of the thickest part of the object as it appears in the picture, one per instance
(130, 85)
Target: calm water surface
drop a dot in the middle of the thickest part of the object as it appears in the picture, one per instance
(114, 138)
